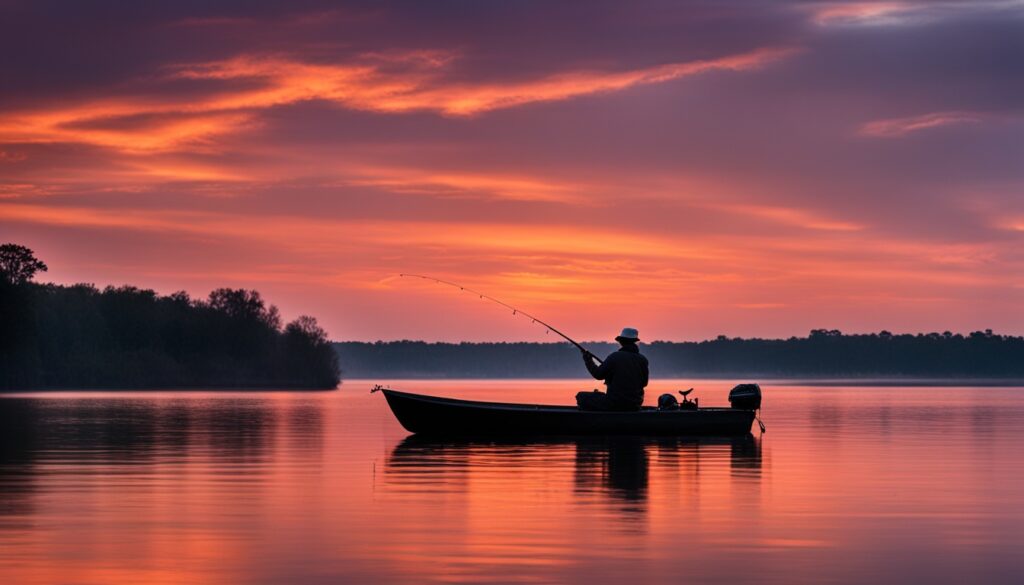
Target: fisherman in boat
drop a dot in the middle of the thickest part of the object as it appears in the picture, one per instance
(624, 372)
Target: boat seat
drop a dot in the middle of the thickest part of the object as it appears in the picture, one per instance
(685, 393)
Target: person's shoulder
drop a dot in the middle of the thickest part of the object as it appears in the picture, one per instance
(618, 355)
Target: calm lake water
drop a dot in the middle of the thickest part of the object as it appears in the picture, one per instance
(849, 485)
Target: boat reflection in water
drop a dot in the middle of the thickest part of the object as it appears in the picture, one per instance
(614, 472)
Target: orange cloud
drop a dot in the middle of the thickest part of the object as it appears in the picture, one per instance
(474, 99)
(859, 12)
(312, 231)
(384, 83)
(422, 86)
(110, 124)
(898, 13)
(790, 216)
(896, 127)
(1015, 224)
(568, 253)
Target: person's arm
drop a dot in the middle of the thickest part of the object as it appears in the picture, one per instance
(646, 372)
(599, 372)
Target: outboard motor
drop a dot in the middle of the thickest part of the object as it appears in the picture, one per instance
(745, 397)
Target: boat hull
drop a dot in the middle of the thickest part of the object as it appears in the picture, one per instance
(431, 415)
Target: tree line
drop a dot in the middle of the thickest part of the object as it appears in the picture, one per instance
(79, 336)
(822, 354)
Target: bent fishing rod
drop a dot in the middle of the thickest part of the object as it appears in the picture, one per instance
(515, 311)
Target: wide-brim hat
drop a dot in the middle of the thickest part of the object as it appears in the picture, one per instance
(628, 334)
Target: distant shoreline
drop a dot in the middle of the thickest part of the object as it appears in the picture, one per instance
(927, 383)
(825, 357)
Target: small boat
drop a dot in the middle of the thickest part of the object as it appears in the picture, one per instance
(432, 415)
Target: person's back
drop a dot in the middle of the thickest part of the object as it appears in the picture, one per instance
(625, 373)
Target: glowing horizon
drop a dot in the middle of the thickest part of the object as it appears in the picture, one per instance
(747, 170)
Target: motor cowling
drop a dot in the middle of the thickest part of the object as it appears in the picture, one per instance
(745, 397)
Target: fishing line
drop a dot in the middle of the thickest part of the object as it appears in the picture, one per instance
(515, 311)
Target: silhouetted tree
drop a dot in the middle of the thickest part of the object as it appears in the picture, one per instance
(310, 352)
(244, 304)
(306, 328)
(18, 264)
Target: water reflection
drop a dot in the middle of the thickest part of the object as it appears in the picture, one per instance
(616, 466)
(69, 441)
(78, 475)
(18, 438)
(135, 431)
(618, 470)
(851, 485)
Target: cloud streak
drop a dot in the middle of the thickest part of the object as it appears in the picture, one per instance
(160, 123)
(897, 127)
(908, 13)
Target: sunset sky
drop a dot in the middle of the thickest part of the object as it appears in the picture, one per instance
(689, 169)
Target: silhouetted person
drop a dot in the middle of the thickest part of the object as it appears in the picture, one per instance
(624, 372)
